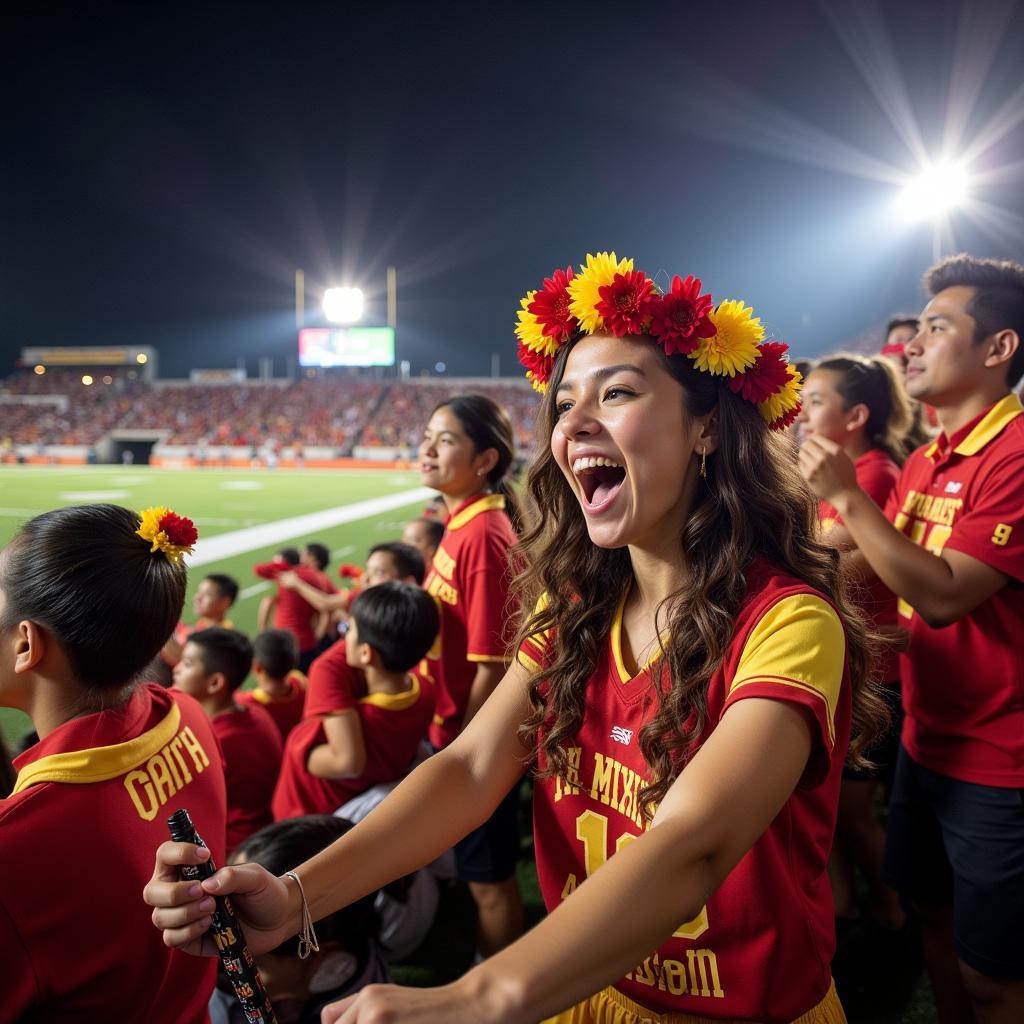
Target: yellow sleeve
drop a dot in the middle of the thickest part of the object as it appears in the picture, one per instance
(796, 652)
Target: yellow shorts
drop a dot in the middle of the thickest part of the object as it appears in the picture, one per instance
(610, 1006)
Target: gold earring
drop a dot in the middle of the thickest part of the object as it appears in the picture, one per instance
(704, 464)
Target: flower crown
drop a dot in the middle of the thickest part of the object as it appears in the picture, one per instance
(168, 532)
(609, 295)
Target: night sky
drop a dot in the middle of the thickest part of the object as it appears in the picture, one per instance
(165, 170)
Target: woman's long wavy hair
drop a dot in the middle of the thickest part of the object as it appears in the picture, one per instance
(752, 503)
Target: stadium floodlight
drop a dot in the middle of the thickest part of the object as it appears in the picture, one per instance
(86, 379)
(938, 189)
(39, 369)
(343, 305)
(142, 359)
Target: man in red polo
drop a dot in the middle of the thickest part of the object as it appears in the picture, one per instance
(951, 545)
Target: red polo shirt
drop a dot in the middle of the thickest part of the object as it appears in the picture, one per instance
(392, 724)
(286, 711)
(292, 611)
(77, 842)
(963, 685)
(469, 578)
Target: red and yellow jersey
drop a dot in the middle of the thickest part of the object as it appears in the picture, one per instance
(392, 724)
(77, 840)
(760, 948)
(292, 611)
(963, 685)
(469, 578)
(877, 474)
(251, 746)
(286, 711)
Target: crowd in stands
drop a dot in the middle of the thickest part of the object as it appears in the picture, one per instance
(331, 412)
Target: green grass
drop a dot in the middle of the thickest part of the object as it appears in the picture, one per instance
(220, 502)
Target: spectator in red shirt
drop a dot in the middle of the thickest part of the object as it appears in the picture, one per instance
(213, 598)
(292, 611)
(950, 544)
(85, 603)
(367, 713)
(280, 686)
(213, 665)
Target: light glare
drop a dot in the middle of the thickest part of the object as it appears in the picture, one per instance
(39, 370)
(86, 380)
(935, 192)
(343, 305)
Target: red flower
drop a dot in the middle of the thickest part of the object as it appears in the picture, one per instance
(681, 317)
(626, 303)
(766, 377)
(536, 363)
(784, 421)
(551, 306)
(180, 531)
(348, 571)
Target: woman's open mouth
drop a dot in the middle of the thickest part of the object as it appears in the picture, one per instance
(600, 480)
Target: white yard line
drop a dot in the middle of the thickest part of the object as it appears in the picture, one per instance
(227, 545)
(257, 588)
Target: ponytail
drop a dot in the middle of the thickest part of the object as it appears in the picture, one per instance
(487, 425)
(872, 381)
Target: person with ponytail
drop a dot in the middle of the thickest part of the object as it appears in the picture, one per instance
(688, 677)
(467, 451)
(860, 404)
(88, 596)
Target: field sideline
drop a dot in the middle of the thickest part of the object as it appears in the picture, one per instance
(243, 517)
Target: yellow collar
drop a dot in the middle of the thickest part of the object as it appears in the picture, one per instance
(616, 642)
(987, 429)
(484, 504)
(98, 764)
(394, 701)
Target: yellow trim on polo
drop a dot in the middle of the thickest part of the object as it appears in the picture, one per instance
(487, 503)
(991, 426)
(98, 764)
(798, 642)
(527, 662)
(486, 657)
(394, 701)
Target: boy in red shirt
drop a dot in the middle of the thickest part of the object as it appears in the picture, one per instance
(213, 665)
(366, 711)
(215, 594)
(951, 545)
(280, 686)
(115, 759)
(292, 611)
(424, 534)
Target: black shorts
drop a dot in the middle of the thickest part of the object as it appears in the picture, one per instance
(882, 753)
(489, 853)
(960, 844)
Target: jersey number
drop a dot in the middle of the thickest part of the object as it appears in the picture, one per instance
(592, 831)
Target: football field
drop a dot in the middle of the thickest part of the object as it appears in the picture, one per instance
(243, 517)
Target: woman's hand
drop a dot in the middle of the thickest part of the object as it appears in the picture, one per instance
(182, 909)
(289, 580)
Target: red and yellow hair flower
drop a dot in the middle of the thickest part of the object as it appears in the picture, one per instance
(607, 294)
(168, 532)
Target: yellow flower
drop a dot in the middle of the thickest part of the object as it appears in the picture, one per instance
(785, 400)
(538, 385)
(530, 331)
(733, 346)
(598, 271)
(150, 531)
